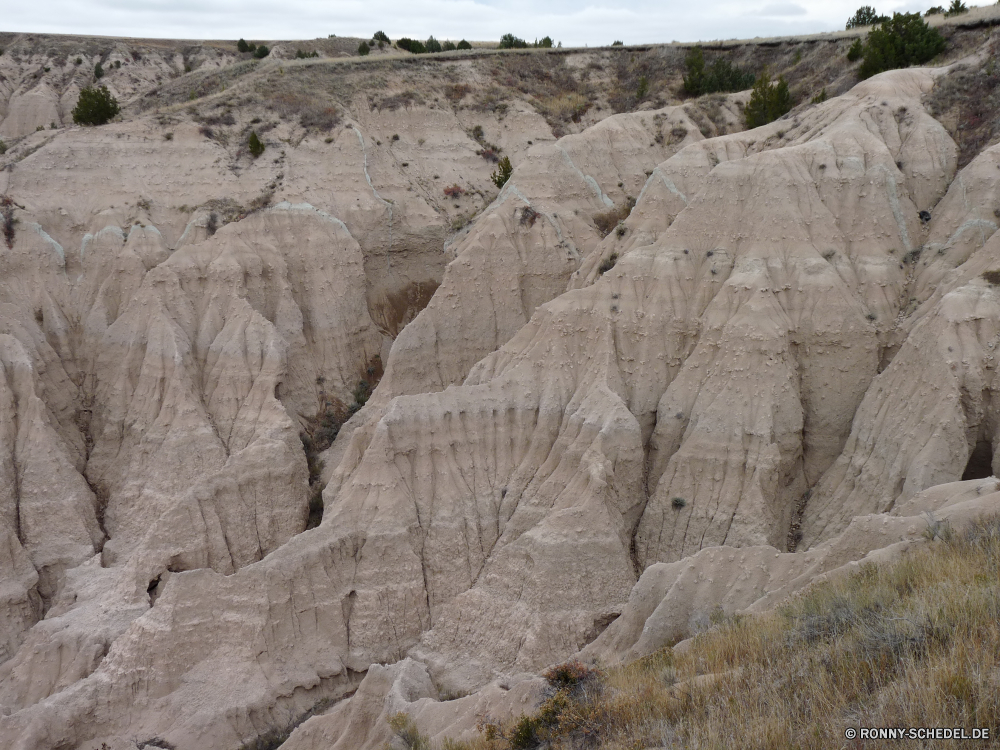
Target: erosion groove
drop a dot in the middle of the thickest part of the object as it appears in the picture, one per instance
(293, 442)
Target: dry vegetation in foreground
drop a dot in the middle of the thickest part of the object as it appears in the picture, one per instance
(912, 644)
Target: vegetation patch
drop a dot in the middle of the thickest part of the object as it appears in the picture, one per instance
(606, 221)
(967, 102)
(768, 101)
(7, 220)
(899, 42)
(96, 106)
(721, 75)
(912, 643)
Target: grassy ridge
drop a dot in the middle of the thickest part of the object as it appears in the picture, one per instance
(913, 643)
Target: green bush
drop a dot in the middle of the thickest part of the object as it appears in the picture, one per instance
(900, 42)
(935, 11)
(255, 144)
(617, 43)
(380, 36)
(866, 16)
(722, 75)
(545, 43)
(432, 44)
(509, 41)
(855, 51)
(411, 45)
(463, 45)
(502, 172)
(363, 49)
(261, 52)
(768, 101)
(95, 106)
(956, 8)
(300, 55)
(98, 72)
(447, 46)
(242, 45)
(3, 147)
(820, 97)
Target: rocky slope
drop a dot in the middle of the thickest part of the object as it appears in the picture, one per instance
(583, 439)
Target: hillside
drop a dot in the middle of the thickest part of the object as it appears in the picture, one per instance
(341, 430)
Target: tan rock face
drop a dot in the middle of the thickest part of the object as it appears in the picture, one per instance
(582, 444)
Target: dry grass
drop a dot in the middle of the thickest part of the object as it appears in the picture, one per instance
(606, 221)
(967, 102)
(911, 644)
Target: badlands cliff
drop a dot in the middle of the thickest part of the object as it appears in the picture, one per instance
(770, 369)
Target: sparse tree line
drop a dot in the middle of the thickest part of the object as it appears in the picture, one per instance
(432, 45)
(903, 40)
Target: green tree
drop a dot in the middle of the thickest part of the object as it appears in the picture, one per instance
(694, 79)
(447, 46)
(855, 51)
(411, 45)
(95, 106)
(545, 43)
(509, 41)
(98, 72)
(502, 172)
(866, 16)
(642, 89)
(956, 8)
(934, 11)
(255, 144)
(463, 45)
(261, 51)
(721, 75)
(242, 45)
(617, 43)
(768, 101)
(381, 36)
(900, 42)
(363, 49)
(432, 44)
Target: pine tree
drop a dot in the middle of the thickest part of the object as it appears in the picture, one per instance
(502, 173)
(95, 106)
(256, 145)
(768, 101)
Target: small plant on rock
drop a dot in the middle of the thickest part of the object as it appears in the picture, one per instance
(454, 191)
(502, 172)
(255, 145)
(7, 220)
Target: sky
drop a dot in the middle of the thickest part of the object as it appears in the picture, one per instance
(572, 22)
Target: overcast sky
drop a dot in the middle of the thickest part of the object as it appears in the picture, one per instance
(573, 22)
